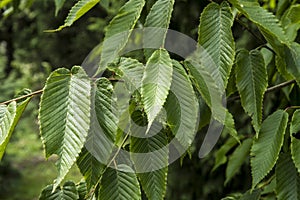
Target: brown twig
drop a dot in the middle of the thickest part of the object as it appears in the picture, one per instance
(22, 97)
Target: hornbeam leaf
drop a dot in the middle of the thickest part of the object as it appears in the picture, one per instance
(266, 148)
(287, 178)
(7, 115)
(295, 142)
(78, 10)
(182, 106)
(120, 183)
(156, 25)
(58, 5)
(119, 30)
(67, 192)
(251, 80)
(215, 36)
(156, 83)
(265, 20)
(65, 116)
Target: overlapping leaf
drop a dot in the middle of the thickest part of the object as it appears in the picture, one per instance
(238, 157)
(157, 23)
(67, 192)
(292, 60)
(266, 148)
(120, 183)
(215, 36)
(156, 83)
(119, 30)
(65, 116)
(295, 142)
(78, 10)
(265, 20)
(7, 116)
(287, 178)
(182, 107)
(251, 80)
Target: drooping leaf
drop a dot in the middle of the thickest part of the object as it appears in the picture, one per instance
(291, 21)
(120, 183)
(156, 83)
(119, 30)
(78, 10)
(58, 5)
(182, 107)
(295, 142)
(266, 148)
(238, 157)
(215, 36)
(265, 20)
(292, 60)
(220, 155)
(150, 156)
(287, 178)
(210, 91)
(156, 25)
(7, 115)
(67, 192)
(251, 80)
(64, 116)
(89, 167)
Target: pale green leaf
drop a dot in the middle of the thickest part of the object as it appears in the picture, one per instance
(182, 107)
(238, 157)
(215, 36)
(4, 3)
(251, 80)
(58, 5)
(7, 116)
(65, 116)
(209, 90)
(118, 31)
(295, 142)
(67, 192)
(287, 178)
(119, 184)
(156, 83)
(265, 20)
(265, 150)
(156, 25)
(151, 156)
(78, 10)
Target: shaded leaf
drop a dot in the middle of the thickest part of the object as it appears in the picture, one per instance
(252, 82)
(58, 5)
(295, 142)
(266, 148)
(67, 192)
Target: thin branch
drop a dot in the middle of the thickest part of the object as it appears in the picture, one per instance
(23, 97)
(270, 89)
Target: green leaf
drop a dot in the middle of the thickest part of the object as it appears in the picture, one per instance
(156, 83)
(182, 107)
(251, 195)
(65, 116)
(120, 183)
(156, 25)
(215, 36)
(238, 157)
(82, 190)
(78, 10)
(58, 5)
(287, 178)
(295, 142)
(119, 30)
(67, 192)
(291, 21)
(89, 167)
(4, 3)
(150, 155)
(292, 59)
(265, 20)
(252, 82)
(209, 90)
(7, 116)
(266, 148)
(220, 155)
